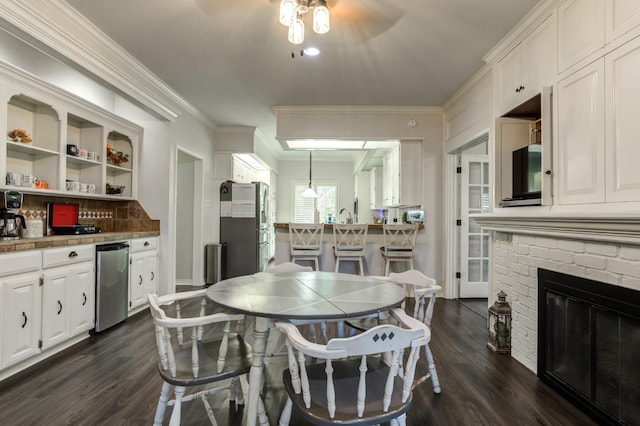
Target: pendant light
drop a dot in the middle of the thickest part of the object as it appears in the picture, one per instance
(309, 192)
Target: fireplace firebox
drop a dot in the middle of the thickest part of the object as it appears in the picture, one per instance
(589, 345)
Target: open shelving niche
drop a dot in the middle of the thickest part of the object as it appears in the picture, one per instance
(41, 156)
(46, 157)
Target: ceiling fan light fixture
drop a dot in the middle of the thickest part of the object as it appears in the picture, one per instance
(287, 12)
(321, 19)
(296, 31)
(293, 11)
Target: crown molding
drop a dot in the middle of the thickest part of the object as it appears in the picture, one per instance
(71, 37)
(531, 20)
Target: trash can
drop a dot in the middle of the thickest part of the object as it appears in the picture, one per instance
(214, 262)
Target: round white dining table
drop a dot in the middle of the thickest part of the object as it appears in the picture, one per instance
(300, 296)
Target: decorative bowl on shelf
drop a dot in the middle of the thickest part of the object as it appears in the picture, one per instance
(115, 189)
(116, 157)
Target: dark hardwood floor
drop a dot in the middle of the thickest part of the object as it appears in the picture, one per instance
(111, 379)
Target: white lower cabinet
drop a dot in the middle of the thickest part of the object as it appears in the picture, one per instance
(143, 268)
(55, 308)
(21, 317)
(67, 302)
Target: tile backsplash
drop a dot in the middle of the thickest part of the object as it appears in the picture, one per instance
(110, 216)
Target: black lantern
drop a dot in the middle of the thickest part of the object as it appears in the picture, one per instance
(500, 325)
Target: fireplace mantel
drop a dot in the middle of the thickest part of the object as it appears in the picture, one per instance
(613, 229)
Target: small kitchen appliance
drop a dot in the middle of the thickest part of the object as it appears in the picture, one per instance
(9, 215)
(415, 216)
(62, 218)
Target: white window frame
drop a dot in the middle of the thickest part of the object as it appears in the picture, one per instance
(315, 184)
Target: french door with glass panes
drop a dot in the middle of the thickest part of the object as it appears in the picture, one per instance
(474, 243)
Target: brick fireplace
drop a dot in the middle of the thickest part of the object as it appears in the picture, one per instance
(603, 249)
(517, 258)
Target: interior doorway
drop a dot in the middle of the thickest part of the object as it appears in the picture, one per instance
(188, 219)
(468, 169)
(474, 241)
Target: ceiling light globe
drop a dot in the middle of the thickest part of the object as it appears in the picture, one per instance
(296, 31)
(287, 12)
(309, 193)
(321, 20)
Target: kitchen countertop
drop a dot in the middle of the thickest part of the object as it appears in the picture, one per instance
(285, 225)
(70, 240)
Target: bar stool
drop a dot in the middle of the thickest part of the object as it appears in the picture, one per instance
(399, 244)
(349, 243)
(305, 241)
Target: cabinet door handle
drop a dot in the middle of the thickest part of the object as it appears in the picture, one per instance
(521, 88)
(139, 279)
(73, 254)
(152, 275)
(84, 302)
(59, 307)
(146, 243)
(517, 89)
(24, 317)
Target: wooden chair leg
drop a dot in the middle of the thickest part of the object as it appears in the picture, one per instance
(337, 264)
(432, 369)
(162, 404)
(263, 420)
(177, 406)
(285, 416)
(361, 265)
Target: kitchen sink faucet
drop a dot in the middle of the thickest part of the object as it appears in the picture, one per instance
(350, 218)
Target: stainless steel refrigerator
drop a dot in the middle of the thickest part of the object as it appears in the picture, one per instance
(244, 227)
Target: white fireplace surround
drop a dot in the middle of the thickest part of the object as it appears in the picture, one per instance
(605, 249)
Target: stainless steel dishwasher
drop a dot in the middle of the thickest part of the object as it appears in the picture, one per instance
(112, 284)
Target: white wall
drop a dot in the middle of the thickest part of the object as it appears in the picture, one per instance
(184, 220)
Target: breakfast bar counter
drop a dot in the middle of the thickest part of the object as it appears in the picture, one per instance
(374, 262)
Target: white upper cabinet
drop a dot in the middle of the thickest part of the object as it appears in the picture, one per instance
(375, 188)
(621, 16)
(581, 142)
(521, 74)
(580, 30)
(622, 124)
(402, 175)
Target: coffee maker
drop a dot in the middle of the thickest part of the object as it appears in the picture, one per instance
(8, 216)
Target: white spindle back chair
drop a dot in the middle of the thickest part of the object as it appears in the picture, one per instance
(353, 385)
(196, 351)
(399, 244)
(305, 241)
(349, 243)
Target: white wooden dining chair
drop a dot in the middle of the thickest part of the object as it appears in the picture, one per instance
(195, 351)
(399, 244)
(305, 241)
(349, 242)
(346, 385)
(424, 290)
